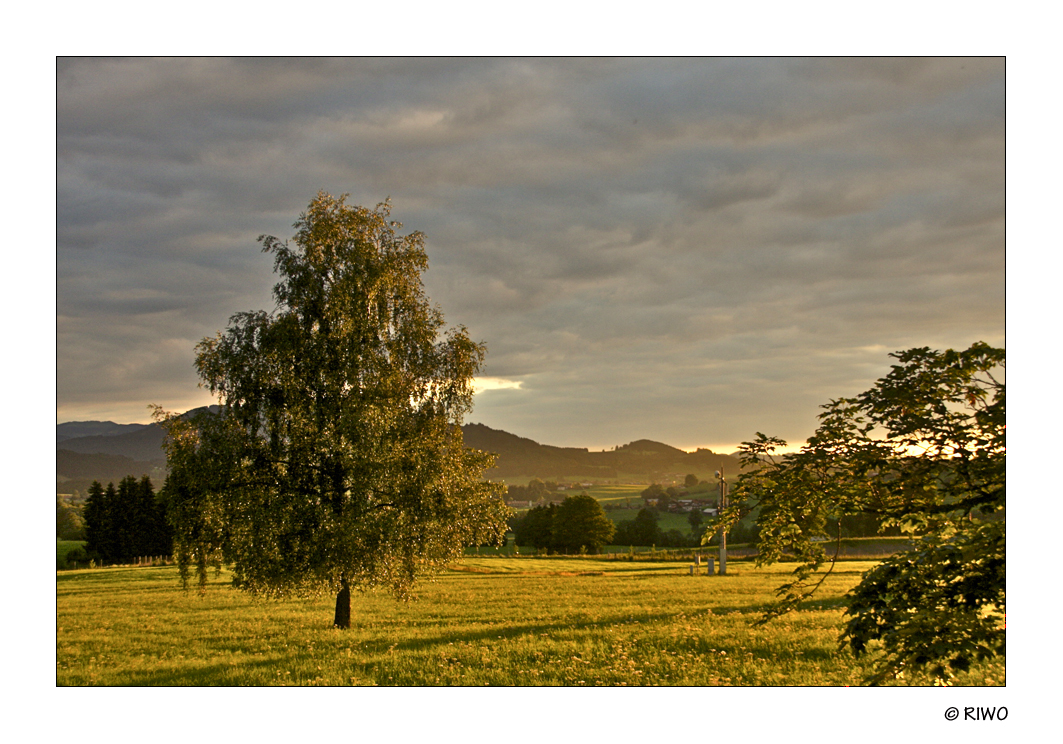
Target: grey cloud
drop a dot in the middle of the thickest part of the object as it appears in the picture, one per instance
(635, 239)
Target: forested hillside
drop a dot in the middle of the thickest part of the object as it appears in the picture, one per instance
(77, 429)
(137, 450)
(75, 471)
(143, 444)
(639, 460)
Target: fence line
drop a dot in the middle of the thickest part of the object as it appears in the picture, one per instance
(139, 561)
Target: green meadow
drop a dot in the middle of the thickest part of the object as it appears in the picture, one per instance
(490, 621)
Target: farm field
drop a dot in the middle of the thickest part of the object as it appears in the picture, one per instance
(665, 520)
(617, 495)
(491, 621)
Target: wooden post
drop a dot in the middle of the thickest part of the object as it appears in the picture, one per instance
(723, 532)
(343, 606)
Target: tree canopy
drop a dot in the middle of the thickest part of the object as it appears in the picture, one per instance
(69, 522)
(337, 459)
(923, 451)
(581, 525)
(536, 527)
(576, 525)
(642, 530)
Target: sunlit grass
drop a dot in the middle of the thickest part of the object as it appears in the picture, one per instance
(62, 547)
(498, 621)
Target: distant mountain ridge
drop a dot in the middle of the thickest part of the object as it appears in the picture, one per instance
(92, 456)
(144, 444)
(141, 442)
(78, 429)
(642, 459)
(107, 452)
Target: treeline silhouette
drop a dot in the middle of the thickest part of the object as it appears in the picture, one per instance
(126, 522)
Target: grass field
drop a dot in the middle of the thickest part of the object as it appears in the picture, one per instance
(62, 547)
(665, 520)
(493, 621)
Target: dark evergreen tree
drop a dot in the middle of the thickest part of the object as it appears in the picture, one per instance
(124, 520)
(127, 522)
(93, 515)
(149, 528)
(109, 525)
(162, 532)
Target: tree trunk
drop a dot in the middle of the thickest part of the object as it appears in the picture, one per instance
(343, 606)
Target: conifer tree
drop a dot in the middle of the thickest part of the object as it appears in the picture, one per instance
(93, 515)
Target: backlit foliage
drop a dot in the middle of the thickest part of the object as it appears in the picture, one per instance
(337, 457)
(924, 450)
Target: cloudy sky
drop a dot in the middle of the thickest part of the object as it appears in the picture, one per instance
(686, 250)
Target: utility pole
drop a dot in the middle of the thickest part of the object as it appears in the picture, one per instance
(723, 532)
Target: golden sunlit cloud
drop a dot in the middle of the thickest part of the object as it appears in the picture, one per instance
(480, 384)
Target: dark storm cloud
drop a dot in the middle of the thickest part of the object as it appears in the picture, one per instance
(689, 250)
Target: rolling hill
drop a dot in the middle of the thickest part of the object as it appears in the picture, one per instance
(77, 429)
(75, 471)
(641, 460)
(141, 444)
(106, 451)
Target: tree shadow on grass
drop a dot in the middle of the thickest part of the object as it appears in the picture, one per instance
(631, 621)
(296, 665)
(208, 675)
(833, 603)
